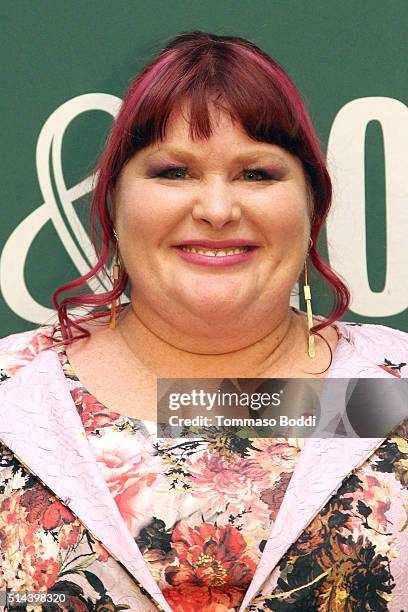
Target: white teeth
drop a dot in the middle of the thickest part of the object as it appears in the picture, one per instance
(214, 252)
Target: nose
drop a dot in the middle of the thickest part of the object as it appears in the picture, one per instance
(217, 204)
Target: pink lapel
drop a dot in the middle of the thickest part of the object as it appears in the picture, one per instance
(322, 466)
(40, 424)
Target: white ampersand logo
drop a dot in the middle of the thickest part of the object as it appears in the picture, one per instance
(57, 207)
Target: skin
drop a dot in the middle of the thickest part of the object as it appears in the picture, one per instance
(195, 320)
(187, 320)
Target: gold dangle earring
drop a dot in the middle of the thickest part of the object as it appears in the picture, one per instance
(115, 281)
(308, 299)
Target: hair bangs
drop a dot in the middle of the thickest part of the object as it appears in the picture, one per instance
(250, 94)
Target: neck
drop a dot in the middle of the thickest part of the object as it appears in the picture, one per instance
(252, 352)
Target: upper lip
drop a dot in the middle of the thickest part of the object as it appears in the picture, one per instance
(219, 244)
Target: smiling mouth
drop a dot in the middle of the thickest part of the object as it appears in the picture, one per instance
(225, 252)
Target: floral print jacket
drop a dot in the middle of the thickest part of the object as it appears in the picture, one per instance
(92, 507)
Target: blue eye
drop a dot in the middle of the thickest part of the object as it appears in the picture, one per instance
(179, 173)
(165, 173)
(265, 176)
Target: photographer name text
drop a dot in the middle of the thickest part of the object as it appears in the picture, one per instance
(223, 421)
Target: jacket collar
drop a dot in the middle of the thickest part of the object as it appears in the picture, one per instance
(40, 424)
(323, 464)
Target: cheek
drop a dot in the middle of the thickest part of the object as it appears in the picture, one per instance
(136, 219)
(287, 214)
(147, 211)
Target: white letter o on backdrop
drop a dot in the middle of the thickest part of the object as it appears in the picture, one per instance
(346, 228)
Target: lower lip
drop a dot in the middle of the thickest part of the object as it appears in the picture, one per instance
(217, 260)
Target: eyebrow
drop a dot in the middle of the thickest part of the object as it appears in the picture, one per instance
(245, 156)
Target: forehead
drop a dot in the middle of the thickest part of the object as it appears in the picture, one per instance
(220, 118)
(228, 140)
(222, 125)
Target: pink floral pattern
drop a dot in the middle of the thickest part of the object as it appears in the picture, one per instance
(174, 494)
(200, 512)
(130, 473)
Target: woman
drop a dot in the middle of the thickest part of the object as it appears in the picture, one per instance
(211, 194)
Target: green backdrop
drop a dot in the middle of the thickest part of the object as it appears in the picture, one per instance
(66, 64)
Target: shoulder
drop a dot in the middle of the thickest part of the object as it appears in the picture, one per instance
(17, 350)
(385, 346)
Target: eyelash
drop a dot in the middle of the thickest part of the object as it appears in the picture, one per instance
(264, 173)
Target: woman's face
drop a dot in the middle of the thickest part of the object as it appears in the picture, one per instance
(228, 187)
